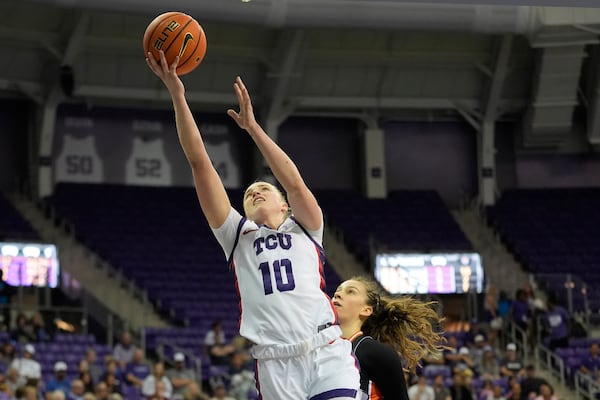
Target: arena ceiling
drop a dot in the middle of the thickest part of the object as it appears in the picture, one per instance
(372, 59)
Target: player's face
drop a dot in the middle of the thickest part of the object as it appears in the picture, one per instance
(350, 301)
(261, 199)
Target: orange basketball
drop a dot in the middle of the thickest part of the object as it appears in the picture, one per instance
(176, 34)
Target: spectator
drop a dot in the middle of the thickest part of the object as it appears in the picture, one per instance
(101, 391)
(60, 382)
(56, 395)
(88, 383)
(546, 393)
(28, 368)
(159, 391)
(421, 390)
(531, 383)
(591, 363)
(488, 368)
(27, 392)
(557, 324)
(124, 350)
(491, 312)
(23, 330)
(465, 361)
(216, 346)
(38, 328)
(77, 390)
(113, 383)
(520, 311)
(241, 377)
(5, 393)
(14, 380)
(478, 347)
(496, 393)
(515, 392)
(440, 390)
(94, 366)
(512, 365)
(158, 374)
(220, 392)
(194, 392)
(112, 376)
(137, 370)
(460, 389)
(487, 390)
(180, 376)
(7, 355)
(451, 356)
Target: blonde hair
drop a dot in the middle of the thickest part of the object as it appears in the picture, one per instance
(412, 327)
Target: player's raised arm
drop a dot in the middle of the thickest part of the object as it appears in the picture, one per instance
(211, 193)
(303, 203)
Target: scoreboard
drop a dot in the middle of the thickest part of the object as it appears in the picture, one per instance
(439, 273)
(29, 264)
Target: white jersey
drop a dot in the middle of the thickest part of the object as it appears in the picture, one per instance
(279, 277)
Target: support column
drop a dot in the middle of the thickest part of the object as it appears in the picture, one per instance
(487, 161)
(48, 119)
(47, 124)
(374, 166)
(487, 132)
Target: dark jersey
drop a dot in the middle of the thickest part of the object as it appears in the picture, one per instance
(380, 365)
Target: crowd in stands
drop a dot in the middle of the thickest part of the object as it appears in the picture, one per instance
(29, 371)
(475, 364)
(475, 370)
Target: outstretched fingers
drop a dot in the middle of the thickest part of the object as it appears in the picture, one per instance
(161, 67)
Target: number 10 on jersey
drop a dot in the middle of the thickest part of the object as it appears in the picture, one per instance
(280, 268)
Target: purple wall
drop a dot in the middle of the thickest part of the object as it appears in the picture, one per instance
(325, 150)
(440, 156)
(419, 155)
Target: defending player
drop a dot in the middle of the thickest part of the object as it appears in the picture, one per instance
(277, 259)
(380, 328)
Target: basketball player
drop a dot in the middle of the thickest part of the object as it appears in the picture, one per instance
(380, 328)
(277, 259)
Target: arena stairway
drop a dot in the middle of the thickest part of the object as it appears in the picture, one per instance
(96, 276)
(500, 267)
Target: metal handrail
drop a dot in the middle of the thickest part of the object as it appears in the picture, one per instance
(548, 358)
(585, 386)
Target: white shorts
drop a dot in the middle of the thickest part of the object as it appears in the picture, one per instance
(321, 368)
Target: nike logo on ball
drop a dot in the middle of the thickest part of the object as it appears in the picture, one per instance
(188, 36)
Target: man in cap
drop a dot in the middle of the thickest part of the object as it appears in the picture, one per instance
(28, 368)
(180, 376)
(512, 365)
(60, 380)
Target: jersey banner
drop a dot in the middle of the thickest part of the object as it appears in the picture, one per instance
(137, 147)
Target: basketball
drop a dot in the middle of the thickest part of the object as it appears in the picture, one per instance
(176, 34)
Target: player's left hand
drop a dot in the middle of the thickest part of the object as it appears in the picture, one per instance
(245, 117)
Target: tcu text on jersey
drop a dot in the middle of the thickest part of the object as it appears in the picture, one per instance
(271, 242)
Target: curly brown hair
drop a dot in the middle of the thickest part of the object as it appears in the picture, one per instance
(412, 327)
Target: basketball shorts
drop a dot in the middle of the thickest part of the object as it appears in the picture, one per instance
(320, 368)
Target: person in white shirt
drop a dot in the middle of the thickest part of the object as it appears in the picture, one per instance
(158, 374)
(28, 368)
(421, 390)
